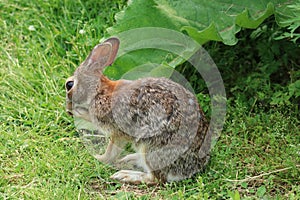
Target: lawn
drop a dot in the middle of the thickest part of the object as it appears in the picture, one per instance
(42, 156)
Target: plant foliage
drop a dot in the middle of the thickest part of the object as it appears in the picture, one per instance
(203, 21)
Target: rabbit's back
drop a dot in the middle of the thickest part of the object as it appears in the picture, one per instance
(152, 107)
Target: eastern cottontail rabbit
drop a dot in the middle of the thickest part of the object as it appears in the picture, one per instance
(160, 118)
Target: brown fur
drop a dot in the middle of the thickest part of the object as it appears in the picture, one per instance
(160, 118)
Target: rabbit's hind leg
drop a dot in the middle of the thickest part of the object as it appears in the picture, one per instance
(134, 161)
(134, 177)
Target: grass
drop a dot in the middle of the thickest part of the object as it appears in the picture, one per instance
(41, 156)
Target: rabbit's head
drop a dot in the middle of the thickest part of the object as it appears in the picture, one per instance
(81, 88)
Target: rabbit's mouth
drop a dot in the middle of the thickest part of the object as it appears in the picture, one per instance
(77, 110)
(80, 111)
(70, 112)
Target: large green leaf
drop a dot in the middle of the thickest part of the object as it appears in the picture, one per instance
(202, 20)
(213, 19)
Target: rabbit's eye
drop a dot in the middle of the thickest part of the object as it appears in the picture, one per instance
(69, 85)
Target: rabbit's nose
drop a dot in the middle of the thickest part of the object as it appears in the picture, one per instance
(69, 107)
(69, 95)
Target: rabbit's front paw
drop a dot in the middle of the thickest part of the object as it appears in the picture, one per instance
(103, 158)
(133, 177)
(111, 153)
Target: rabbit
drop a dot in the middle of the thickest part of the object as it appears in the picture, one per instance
(160, 118)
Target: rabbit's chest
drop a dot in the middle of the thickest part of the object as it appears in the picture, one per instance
(101, 108)
(105, 129)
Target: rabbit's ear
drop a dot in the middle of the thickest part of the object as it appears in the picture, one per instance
(115, 42)
(103, 54)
